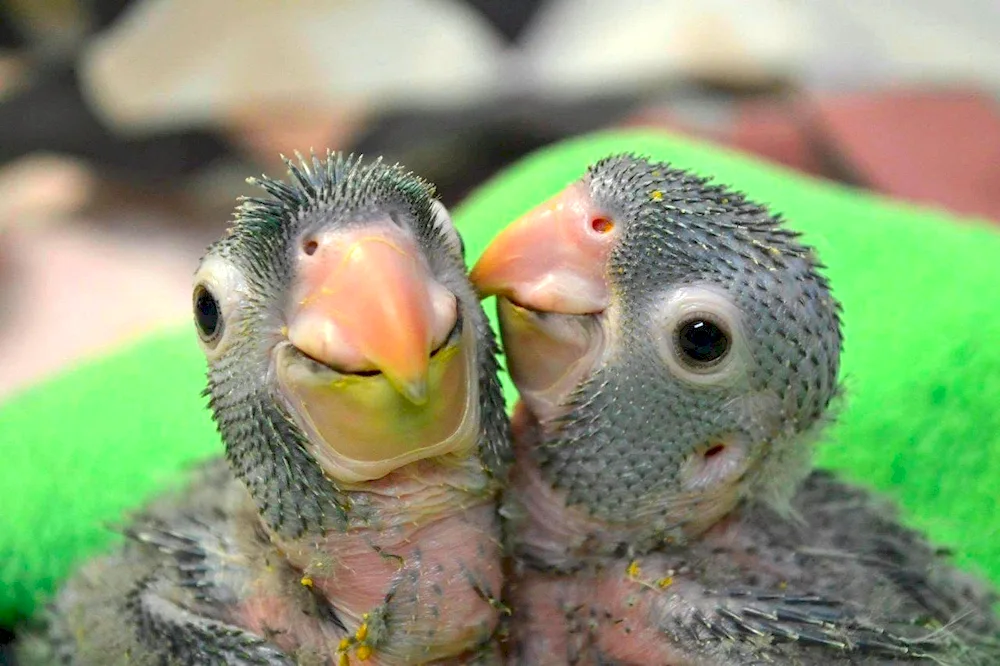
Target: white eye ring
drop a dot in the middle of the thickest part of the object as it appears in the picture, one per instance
(712, 305)
(442, 220)
(226, 286)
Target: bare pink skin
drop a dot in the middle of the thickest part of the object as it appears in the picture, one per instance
(547, 637)
(612, 608)
(439, 550)
(615, 614)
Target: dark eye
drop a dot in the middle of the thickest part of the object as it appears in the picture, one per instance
(702, 342)
(206, 314)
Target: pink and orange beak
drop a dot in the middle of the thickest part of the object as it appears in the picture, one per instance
(553, 259)
(366, 301)
(395, 387)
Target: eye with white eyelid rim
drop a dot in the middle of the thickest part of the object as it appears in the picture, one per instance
(442, 221)
(219, 288)
(700, 336)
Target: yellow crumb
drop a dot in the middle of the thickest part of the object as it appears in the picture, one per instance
(633, 570)
(306, 581)
(364, 652)
(656, 195)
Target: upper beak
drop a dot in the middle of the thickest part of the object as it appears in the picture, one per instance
(365, 299)
(554, 258)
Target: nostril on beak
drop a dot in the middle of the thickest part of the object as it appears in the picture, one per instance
(310, 246)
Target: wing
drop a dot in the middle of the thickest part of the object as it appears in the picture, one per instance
(162, 597)
(847, 581)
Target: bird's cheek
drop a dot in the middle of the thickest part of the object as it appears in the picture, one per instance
(361, 428)
(548, 355)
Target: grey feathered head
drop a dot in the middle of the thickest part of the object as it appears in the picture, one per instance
(343, 339)
(674, 342)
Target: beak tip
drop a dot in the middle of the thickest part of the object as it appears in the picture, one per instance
(484, 281)
(415, 391)
(476, 275)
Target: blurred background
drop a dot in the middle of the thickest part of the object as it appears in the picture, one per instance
(127, 127)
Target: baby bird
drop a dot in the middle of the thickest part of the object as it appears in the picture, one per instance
(677, 350)
(352, 376)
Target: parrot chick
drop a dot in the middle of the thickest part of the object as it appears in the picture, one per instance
(676, 350)
(352, 376)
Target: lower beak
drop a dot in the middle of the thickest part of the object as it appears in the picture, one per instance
(548, 355)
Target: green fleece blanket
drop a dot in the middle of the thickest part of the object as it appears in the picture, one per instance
(921, 295)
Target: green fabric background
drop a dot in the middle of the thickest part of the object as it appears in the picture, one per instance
(921, 367)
